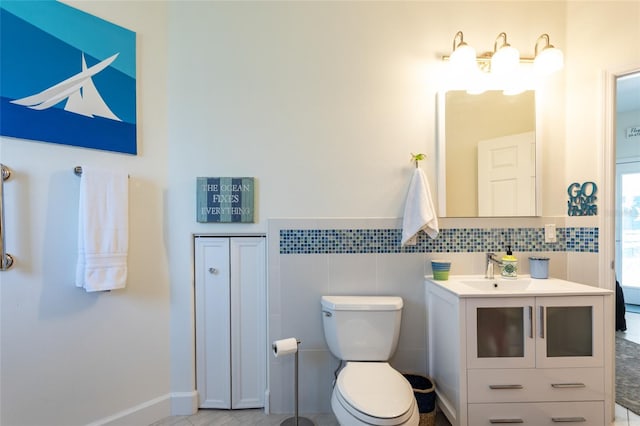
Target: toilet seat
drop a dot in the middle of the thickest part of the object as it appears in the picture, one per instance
(375, 393)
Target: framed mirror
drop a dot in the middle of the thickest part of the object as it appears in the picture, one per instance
(487, 154)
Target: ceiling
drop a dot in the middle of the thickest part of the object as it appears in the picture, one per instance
(628, 93)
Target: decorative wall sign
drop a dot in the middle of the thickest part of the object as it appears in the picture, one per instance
(582, 199)
(225, 199)
(67, 77)
(633, 132)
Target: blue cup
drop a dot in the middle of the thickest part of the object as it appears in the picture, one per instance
(539, 267)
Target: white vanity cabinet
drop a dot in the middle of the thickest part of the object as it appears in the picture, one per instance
(531, 357)
(230, 311)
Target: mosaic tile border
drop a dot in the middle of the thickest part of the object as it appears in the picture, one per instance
(458, 240)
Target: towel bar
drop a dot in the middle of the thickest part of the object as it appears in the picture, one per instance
(78, 171)
(6, 260)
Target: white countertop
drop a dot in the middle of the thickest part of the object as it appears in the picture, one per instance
(524, 285)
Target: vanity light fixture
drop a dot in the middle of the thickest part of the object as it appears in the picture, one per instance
(549, 59)
(463, 56)
(505, 58)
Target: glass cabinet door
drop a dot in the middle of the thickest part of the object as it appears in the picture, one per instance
(570, 332)
(500, 333)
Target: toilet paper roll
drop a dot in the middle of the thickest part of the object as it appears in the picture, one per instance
(285, 346)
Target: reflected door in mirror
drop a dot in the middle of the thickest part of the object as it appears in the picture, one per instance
(506, 176)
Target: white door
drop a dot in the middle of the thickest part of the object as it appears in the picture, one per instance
(506, 176)
(570, 332)
(500, 333)
(628, 230)
(213, 322)
(248, 322)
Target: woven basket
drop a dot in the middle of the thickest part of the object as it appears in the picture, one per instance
(428, 419)
(424, 391)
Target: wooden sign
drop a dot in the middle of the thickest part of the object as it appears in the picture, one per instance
(225, 199)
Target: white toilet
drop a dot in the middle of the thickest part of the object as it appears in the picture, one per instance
(363, 331)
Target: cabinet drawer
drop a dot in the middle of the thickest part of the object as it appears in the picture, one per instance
(538, 414)
(535, 385)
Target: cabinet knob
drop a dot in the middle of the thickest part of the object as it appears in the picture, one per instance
(213, 271)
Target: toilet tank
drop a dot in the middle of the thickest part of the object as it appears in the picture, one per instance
(362, 328)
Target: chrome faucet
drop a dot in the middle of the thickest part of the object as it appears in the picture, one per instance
(491, 259)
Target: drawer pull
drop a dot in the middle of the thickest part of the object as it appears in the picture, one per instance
(568, 419)
(505, 386)
(494, 421)
(568, 385)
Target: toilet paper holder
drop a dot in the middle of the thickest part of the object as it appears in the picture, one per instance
(296, 420)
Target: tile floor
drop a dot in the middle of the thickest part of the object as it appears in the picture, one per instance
(253, 417)
(624, 417)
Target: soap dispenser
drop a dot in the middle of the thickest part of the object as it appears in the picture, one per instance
(509, 265)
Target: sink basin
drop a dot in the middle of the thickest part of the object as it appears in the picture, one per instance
(478, 286)
(499, 284)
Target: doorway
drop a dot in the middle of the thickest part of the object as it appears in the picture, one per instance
(626, 220)
(628, 231)
(627, 201)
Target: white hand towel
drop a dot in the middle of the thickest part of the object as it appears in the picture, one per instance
(419, 213)
(103, 230)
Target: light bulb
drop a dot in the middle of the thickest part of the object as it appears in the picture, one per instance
(505, 60)
(548, 61)
(463, 58)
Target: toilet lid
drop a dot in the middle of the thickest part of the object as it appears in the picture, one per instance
(374, 392)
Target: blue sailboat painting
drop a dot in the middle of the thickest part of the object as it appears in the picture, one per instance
(66, 77)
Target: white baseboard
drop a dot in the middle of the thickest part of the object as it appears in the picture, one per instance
(267, 407)
(184, 403)
(173, 404)
(142, 414)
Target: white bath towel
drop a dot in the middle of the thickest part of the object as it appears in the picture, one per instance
(103, 230)
(419, 213)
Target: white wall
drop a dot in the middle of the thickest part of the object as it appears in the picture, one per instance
(71, 357)
(322, 101)
(594, 32)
